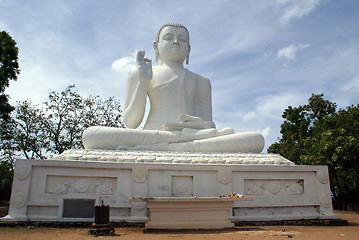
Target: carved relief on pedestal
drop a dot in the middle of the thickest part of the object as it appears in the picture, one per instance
(224, 176)
(58, 187)
(323, 177)
(182, 186)
(139, 174)
(22, 172)
(82, 185)
(272, 187)
(138, 207)
(104, 188)
(254, 189)
(92, 185)
(18, 200)
(295, 188)
(325, 200)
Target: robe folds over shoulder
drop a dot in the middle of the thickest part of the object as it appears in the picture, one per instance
(187, 93)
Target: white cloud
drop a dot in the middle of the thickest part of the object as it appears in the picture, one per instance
(290, 51)
(265, 133)
(296, 9)
(248, 116)
(273, 105)
(124, 64)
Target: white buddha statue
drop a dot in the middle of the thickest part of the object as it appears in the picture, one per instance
(180, 117)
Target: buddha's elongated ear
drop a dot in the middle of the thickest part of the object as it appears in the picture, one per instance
(156, 51)
(187, 57)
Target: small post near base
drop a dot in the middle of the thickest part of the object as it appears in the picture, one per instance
(102, 227)
(102, 214)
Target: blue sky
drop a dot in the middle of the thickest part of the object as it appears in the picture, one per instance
(261, 56)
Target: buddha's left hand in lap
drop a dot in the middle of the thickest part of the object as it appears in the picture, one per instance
(188, 121)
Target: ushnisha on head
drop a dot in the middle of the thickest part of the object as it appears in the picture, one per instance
(172, 43)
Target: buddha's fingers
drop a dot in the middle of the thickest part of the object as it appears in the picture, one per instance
(189, 118)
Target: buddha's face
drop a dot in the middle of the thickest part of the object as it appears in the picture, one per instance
(173, 44)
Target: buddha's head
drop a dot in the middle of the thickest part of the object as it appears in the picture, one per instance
(172, 43)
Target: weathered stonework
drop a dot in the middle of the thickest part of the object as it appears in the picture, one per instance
(278, 189)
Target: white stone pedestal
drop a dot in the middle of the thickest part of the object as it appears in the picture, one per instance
(67, 188)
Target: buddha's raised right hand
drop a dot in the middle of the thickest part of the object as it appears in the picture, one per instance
(144, 66)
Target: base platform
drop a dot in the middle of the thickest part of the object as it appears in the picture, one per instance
(68, 187)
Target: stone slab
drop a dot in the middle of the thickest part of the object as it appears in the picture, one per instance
(189, 213)
(279, 191)
(78, 208)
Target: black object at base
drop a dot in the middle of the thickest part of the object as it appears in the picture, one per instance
(78, 208)
(102, 214)
(102, 230)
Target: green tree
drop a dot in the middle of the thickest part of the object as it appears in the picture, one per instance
(317, 133)
(41, 131)
(7, 156)
(9, 69)
(30, 139)
(57, 125)
(6, 173)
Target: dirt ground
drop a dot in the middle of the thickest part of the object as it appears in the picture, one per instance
(350, 231)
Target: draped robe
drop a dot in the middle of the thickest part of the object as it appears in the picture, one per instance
(187, 93)
(183, 93)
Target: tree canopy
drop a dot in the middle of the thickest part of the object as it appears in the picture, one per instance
(57, 124)
(317, 133)
(9, 69)
(43, 130)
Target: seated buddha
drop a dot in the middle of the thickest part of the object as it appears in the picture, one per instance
(180, 116)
